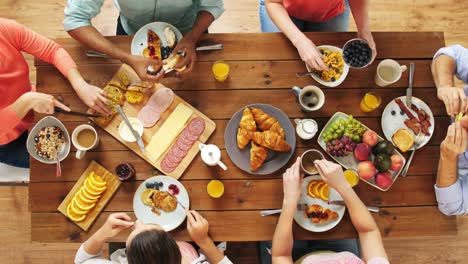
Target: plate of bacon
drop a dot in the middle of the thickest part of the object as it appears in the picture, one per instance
(416, 119)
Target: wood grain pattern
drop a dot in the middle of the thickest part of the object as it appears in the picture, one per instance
(131, 110)
(112, 184)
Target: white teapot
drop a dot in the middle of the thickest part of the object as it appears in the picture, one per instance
(211, 155)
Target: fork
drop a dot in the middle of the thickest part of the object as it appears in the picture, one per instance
(302, 74)
(417, 142)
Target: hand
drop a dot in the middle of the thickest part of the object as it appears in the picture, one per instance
(292, 183)
(140, 65)
(367, 36)
(114, 224)
(454, 99)
(93, 96)
(43, 103)
(311, 55)
(197, 227)
(455, 142)
(186, 45)
(332, 174)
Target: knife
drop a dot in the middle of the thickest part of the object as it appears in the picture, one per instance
(60, 110)
(409, 90)
(374, 209)
(135, 134)
(95, 54)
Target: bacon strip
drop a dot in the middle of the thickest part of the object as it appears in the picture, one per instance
(419, 124)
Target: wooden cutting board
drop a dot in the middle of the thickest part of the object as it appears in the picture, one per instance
(131, 110)
(112, 183)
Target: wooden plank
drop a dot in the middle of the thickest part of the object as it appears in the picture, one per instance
(249, 194)
(112, 185)
(250, 226)
(243, 75)
(275, 46)
(424, 163)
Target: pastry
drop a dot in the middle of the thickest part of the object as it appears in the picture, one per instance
(115, 97)
(271, 140)
(258, 155)
(266, 122)
(247, 121)
(171, 38)
(171, 62)
(134, 97)
(318, 215)
(243, 138)
(153, 51)
(403, 139)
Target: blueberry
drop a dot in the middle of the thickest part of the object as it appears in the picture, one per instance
(160, 184)
(48, 135)
(59, 135)
(149, 185)
(402, 113)
(333, 79)
(393, 112)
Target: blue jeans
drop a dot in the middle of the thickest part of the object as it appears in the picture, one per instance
(303, 247)
(15, 152)
(339, 23)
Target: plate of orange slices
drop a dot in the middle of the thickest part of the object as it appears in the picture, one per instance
(318, 216)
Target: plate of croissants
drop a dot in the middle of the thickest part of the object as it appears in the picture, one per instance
(260, 139)
(318, 215)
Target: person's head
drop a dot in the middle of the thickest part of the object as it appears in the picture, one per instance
(151, 244)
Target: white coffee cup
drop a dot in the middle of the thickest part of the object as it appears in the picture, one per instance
(311, 98)
(388, 72)
(211, 155)
(81, 150)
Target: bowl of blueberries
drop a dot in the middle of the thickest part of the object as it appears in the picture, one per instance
(357, 53)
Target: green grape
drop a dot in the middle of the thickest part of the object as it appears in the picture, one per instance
(335, 126)
(335, 135)
(330, 137)
(339, 131)
(356, 138)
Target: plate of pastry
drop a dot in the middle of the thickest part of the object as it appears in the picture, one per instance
(160, 200)
(315, 214)
(260, 139)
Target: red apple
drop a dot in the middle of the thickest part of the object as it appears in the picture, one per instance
(362, 151)
(384, 179)
(366, 170)
(397, 162)
(370, 138)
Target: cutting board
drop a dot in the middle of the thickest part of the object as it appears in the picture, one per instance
(113, 184)
(131, 110)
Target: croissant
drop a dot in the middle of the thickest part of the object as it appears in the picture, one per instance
(247, 121)
(258, 155)
(266, 122)
(243, 138)
(271, 140)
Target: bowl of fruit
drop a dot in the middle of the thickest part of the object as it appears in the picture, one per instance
(357, 53)
(356, 147)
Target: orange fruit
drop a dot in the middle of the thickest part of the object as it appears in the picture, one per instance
(352, 177)
(83, 205)
(96, 181)
(82, 199)
(316, 188)
(93, 190)
(88, 195)
(310, 188)
(74, 217)
(324, 191)
(76, 209)
(215, 188)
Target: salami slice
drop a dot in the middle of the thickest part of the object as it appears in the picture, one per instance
(186, 133)
(178, 152)
(173, 158)
(166, 166)
(182, 145)
(184, 140)
(196, 126)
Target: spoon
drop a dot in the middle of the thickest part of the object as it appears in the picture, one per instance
(302, 74)
(58, 171)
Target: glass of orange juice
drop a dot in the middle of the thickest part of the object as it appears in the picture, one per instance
(352, 177)
(370, 102)
(215, 188)
(220, 70)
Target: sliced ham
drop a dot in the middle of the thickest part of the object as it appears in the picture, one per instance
(156, 105)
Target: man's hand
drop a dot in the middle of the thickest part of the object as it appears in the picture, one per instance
(187, 46)
(454, 99)
(455, 142)
(140, 65)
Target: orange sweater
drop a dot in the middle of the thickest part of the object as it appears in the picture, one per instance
(14, 72)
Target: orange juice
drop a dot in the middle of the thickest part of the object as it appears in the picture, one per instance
(370, 102)
(215, 188)
(220, 71)
(352, 177)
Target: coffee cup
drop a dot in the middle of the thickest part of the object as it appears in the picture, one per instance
(388, 72)
(211, 155)
(308, 159)
(84, 138)
(311, 98)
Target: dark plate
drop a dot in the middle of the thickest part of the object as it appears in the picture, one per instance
(241, 157)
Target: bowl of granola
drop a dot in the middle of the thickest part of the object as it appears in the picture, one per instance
(337, 69)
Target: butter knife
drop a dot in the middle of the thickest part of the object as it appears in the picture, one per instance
(135, 134)
(409, 90)
(374, 209)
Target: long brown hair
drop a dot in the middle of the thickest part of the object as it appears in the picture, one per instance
(153, 247)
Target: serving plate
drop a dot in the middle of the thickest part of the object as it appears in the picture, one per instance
(140, 39)
(343, 75)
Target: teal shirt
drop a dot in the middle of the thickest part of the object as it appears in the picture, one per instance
(136, 13)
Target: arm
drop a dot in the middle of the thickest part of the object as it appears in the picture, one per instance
(283, 237)
(369, 234)
(306, 48)
(360, 10)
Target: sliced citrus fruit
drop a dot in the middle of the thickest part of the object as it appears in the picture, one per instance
(79, 195)
(316, 188)
(76, 209)
(310, 188)
(324, 191)
(82, 205)
(95, 183)
(92, 189)
(352, 177)
(88, 195)
(73, 216)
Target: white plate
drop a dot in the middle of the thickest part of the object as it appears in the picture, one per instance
(306, 199)
(140, 40)
(390, 124)
(342, 77)
(168, 221)
(46, 122)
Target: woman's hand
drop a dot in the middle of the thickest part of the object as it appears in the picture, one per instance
(310, 54)
(42, 103)
(94, 97)
(292, 184)
(187, 46)
(197, 227)
(367, 36)
(140, 65)
(115, 224)
(332, 174)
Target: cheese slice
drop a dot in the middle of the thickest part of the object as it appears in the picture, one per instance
(168, 132)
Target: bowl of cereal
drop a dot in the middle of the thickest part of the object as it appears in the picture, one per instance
(48, 139)
(337, 68)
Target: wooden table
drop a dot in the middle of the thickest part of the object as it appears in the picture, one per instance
(263, 68)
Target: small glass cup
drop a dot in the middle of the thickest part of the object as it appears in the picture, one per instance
(370, 102)
(220, 71)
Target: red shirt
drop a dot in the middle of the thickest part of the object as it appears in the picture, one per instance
(314, 10)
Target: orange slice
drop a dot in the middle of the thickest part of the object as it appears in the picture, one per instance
(95, 181)
(76, 209)
(93, 190)
(324, 191)
(310, 188)
(88, 195)
(81, 197)
(74, 217)
(316, 188)
(83, 205)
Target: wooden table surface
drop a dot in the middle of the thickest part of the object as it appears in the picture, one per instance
(263, 68)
